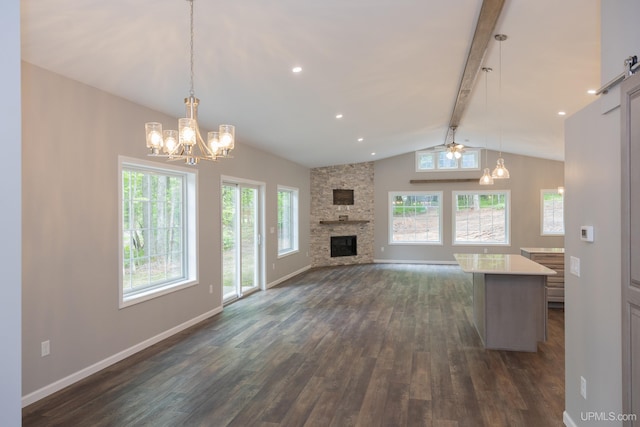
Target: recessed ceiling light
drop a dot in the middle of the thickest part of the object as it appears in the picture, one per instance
(562, 113)
(591, 91)
(373, 154)
(296, 69)
(360, 139)
(338, 116)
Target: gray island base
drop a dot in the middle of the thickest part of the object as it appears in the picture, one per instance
(509, 300)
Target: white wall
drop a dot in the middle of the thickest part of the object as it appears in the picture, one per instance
(72, 136)
(10, 185)
(593, 307)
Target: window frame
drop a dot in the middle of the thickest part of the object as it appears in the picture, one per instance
(392, 195)
(189, 231)
(436, 154)
(507, 225)
(294, 225)
(543, 192)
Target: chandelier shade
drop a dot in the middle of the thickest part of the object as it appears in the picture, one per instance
(187, 143)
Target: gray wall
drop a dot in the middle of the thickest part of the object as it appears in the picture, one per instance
(528, 176)
(10, 184)
(593, 307)
(72, 136)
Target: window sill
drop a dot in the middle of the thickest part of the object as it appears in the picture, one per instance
(286, 254)
(127, 301)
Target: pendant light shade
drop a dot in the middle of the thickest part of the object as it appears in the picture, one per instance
(500, 171)
(486, 178)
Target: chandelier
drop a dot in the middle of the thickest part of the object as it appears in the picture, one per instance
(454, 150)
(187, 143)
(500, 171)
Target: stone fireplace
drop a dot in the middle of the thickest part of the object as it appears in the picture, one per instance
(342, 214)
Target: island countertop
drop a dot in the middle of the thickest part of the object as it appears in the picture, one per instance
(501, 264)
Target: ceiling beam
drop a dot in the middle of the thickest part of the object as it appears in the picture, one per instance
(489, 14)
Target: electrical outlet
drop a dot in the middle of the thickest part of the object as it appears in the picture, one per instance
(583, 388)
(45, 348)
(382, 249)
(210, 289)
(273, 266)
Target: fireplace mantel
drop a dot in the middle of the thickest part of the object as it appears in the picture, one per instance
(346, 221)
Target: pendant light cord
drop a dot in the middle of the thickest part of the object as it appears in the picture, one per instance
(486, 113)
(191, 91)
(500, 38)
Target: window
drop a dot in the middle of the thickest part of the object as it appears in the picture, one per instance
(552, 206)
(287, 220)
(433, 161)
(481, 218)
(415, 218)
(157, 230)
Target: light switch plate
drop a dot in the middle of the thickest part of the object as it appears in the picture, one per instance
(574, 266)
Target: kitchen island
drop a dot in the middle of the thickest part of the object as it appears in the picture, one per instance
(509, 300)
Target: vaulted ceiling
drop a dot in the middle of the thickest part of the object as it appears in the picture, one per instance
(392, 68)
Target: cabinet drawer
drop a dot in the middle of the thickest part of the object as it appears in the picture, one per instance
(555, 292)
(548, 259)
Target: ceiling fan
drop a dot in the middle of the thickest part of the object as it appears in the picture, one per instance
(453, 149)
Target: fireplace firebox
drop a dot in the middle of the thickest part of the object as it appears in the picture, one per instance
(344, 246)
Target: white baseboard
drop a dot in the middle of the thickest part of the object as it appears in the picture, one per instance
(412, 261)
(567, 420)
(77, 376)
(287, 277)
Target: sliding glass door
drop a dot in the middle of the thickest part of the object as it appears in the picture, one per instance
(241, 233)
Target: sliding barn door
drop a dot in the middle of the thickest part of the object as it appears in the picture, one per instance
(631, 247)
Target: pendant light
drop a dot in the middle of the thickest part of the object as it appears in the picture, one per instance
(486, 178)
(500, 171)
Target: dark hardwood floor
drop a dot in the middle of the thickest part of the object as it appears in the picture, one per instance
(368, 345)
